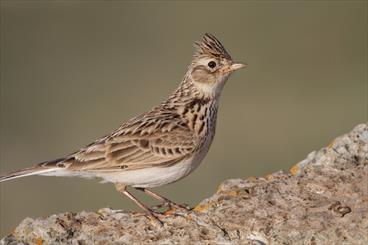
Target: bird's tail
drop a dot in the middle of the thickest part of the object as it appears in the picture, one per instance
(40, 169)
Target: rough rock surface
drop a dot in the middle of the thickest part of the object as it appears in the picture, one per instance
(323, 200)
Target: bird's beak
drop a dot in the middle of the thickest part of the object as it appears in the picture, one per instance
(236, 66)
(233, 67)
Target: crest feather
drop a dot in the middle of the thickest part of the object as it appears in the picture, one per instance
(210, 45)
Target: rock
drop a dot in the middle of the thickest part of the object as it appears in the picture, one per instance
(323, 200)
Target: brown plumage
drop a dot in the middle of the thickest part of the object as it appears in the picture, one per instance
(162, 145)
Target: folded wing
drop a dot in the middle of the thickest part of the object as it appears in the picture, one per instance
(138, 144)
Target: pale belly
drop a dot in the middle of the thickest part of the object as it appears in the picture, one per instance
(147, 177)
(151, 177)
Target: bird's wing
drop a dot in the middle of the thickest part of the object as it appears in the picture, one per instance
(137, 144)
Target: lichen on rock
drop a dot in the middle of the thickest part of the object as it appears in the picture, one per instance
(323, 200)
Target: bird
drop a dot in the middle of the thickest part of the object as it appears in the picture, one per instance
(160, 146)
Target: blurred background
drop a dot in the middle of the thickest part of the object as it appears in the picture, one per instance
(73, 71)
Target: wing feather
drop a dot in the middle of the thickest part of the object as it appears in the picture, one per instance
(137, 145)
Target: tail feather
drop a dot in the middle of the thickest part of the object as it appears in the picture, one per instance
(43, 168)
(25, 172)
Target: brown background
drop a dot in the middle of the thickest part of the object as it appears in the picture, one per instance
(72, 71)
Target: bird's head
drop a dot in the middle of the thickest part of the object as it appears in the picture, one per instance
(211, 66)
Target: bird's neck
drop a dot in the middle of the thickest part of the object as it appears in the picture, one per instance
(198, 111)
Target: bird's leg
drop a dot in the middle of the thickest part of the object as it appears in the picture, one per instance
(162, 199)
(122, 189)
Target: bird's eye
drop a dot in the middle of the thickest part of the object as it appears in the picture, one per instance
(212, 64)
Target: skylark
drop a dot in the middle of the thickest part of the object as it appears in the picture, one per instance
(162, 145)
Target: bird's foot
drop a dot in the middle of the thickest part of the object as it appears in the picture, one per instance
(156, 216)
(182, 207)
(172, 207)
